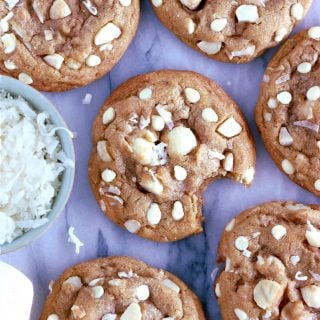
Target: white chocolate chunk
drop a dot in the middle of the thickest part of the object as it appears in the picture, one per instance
(285, 138)
(209, 47)
(304, 67)
(48, 35)
(25, 78)
(102, 151)
(247, 13)
(108, 175)
(191, 26)
(38, 11)
(280, 34)
(143, 292)
(73, 64)
(317, 185)
(157, 123)
(59, 10)
(267, 294)
(191, 4)
(177, 211)
(9, 42)
(230, 128)
(132, 226)
(209, 115)
(133, 312)
(96, 281)
(10, 65)
(157, 3)
(108, 116)
(228, 162)
(54, 60)
(311, 296)
(314, 33)
(218, 25)
(154, 214)
(241, 243)
(93, 60)
(171, 285)
(313, 93)
(97, 292)
(272, 103)
(74, 281)
(297, 11)
(240, 314)
(284, 97)
(125, 3)
(181, 141)
(313, 236)
(145, 94)
(106, 34)
(154, 186)
(53, 317)
(192, 95)
(287, 167)
(180, 173)
(143, 151)
(278, 231)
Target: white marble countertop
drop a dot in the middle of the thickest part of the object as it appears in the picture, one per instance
(191, 259)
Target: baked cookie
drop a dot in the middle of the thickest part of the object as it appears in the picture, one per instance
(56, 45)
(120, 288)
(272, 264)
(158, 141)
(288, 110)
(231, 31)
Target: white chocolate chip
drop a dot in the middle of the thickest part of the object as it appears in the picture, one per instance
(241, 243)
(157, 123)
(278, 232)
(145, 94)
(230, 128)
(311, 296)
(108, 116)
(132, 226)
(59, 10)
(217, 290)
(297, 11)
(102, 151)
(209, 115)
(177, 211)
(240, 314)
(171, 285)
(284, 97)
(209, 47)
(272, 103)
(228, 162)
(285, 138)
(267, 116)
(108, 175)
(229, 227)
(180, 173)
(97, 292)
(4, 22)
(317, 185)
(191, 4)
(247, 13)
(314, 33)
(133, 312)
(304, 67)
(143, 292)
(287, 167)
(73, 64)
(125, 3)
(48, 35)
(294, 260)
(313, 93)
(10, 65)
(280, 34)
(54, 60)
(157, 3)
(154, 214)
(9, 42)
(313, 236)
(53, 317)
(25, 78)
(181, 141)
(267, 294)
(93, 60)
(78, 312)
(106, 34)
(191, 26)
(192, 95)
(218, 25)
(74, 281)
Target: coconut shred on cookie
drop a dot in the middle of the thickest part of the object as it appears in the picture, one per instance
(30, 167)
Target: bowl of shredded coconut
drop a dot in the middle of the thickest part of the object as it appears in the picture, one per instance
(36, 164)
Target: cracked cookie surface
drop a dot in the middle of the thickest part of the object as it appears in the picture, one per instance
(158, 141)
(272, 264)
(120, 288)
(231, 31)
(288, 110)
(57, 45)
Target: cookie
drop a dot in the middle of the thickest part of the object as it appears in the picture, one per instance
(272, 264)
(120, 288)
(158, 141)
(57, 45)
(231, 31)
(288, 110)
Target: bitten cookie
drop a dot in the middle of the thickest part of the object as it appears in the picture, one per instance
(158, 141)
(231, 31)
(56, 45)
(120, 288)
(288, 110)
(272, 264)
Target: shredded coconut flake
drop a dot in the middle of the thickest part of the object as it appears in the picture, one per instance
(283, 79)
(307, 124)
(249, 51)
(212, 154)
(165, 115)
(315, 276)
(11, 3)
(75, 240)
(143, 122)
(90, 7)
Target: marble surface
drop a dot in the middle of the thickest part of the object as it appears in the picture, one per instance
(192, 259)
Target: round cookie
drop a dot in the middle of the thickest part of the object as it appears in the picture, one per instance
(231, 31)
(272, 264)
(120, 288)
(288, 110)
(158, 141)
(57, 45)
